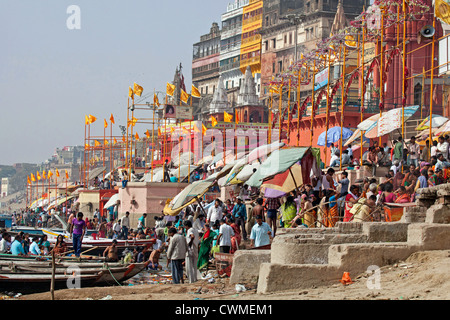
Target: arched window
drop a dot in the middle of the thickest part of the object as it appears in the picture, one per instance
(418, 94)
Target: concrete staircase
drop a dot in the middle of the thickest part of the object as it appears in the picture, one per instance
(301, 258)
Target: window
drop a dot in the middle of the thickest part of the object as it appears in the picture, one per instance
(290, 38)
(274, 43)
(280, 66)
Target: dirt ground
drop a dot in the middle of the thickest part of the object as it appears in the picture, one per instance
(423, 276)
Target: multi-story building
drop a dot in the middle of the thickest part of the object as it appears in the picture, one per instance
(5, 187)
(293, 27)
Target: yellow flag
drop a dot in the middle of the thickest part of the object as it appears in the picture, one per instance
(227, 117)
(195, 93)
(185, 131)
(196, 129)
(156, 100)
(170, 89)
(57, 172)
(38, 176)
(87, 146)
(97, 144)
(92, 119)
(138, 89)
(86, 120)
(44, 175)
(213, 121)
(350, 41)
(49, 174)
(204, 129)
(130, 93)
(274, 90)
(112, 119)
(172, 129)
(106, 124)
(159, 131)
(33, 178)
(442, 10)
(184, 96)
(106, 142)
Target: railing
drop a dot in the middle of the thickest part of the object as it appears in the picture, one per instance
(230, 66)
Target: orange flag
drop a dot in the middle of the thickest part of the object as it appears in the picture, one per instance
(115, 141)
(44, 175)
(159, 131)
(138, 89)
(213, 121)
(237, 118)
(33, 178)
(147, 133)
(195, 93)
(67, 175)
(97, 144)
(38, 176)
(86, 120)
(112, 119)
(28, 180)
(57, 172)
(106, 124)
(204, 129)
(49, 174)
(123, 139)
(136, 136)
(92, 119)
(227, 117)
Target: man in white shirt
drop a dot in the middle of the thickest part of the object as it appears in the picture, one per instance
(117, 228)
(224, 238)
(192, 240)
(215, 212)
(5, 243)
(442, 147)
(414, 152)
(125, 225)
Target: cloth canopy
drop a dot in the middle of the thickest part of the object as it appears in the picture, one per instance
(96, 172)
(436, 122)
(278, 161)
(390, 121)
(283, 183)
(334, 135)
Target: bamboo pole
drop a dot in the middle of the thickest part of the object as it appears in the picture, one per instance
(381, 65)
(363, 51)
(343, 104)
(404, 75)
(289, 113)
(431, 86)
(328, 108)
(298, 104)
(280, 111)
(313, 102)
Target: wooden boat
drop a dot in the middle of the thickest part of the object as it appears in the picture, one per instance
(112, 277)
(30, 283)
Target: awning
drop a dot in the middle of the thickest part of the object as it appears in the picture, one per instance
(96, 172)
(279, 161)
(283, 183)
(112, 201)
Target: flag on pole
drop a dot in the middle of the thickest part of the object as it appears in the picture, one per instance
(195, 92)
(106, 123)
(112, 119)
(87, 146)
(156, 100)
(106, 142)
(159, 132)
(136, 136)
(115, 141)
(130, 93)
(33, 178)
(123, 139)
(237, 118)
(138, 89)
(147, 133)
(204, 129)
(44, 175)
(185, 131)
(92, 119)
(97, 144)
(213, 121)
(57, 172)
(38, 176)
(67, 175)
(172, 129)
(184, 96)
(227, 117)
(49, 174)
(86, 120)
(28, 180)
(170, 89)
(442, 10)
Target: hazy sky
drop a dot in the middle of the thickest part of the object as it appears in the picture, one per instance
(51, 76)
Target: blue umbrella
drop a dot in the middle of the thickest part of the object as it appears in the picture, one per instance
(334, 135)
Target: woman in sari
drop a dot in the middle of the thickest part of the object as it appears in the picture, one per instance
(288, 211)
(309, 215)
(332, 212)
(402, 196)
(236, 238)
(350, 199)
(60, 246)
(205, 247)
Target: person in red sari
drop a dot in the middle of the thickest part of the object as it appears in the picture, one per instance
(403, 196)
(236, 239)
(350, 199)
